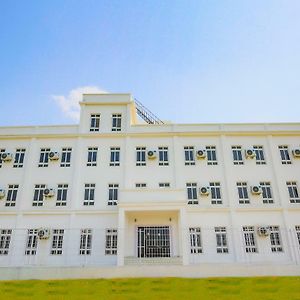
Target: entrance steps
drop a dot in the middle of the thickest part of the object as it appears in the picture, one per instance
(131, 260)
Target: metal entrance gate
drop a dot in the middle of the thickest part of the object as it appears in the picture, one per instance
(153, 241)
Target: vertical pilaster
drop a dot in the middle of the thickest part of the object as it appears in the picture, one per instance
(121, 237)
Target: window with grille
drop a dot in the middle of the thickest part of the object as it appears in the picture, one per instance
(195, 240)
(89, 194)
(92, 156)
(164, 184)
(192, 193)
(215, 191)
(211, 154)
(5, 238)
(293, 191)
(111, 243)
(163, 156)
(19, 158)
(259, 155)
(116, 122)
(237, 155)
(189, 155)
(1, 151)
(85, 247)
(31, 242)
(297, 228)
(284, 155)
(66, 157)
(62, 194)
(266, 192)
(275, 239)
(243, 192)
(113, 194)
(249, 239)
(221, 240)
(114, 156)
(44, 157)
(38, 196)
(12, 193)
(140, 156)
(57, 241)
(95, 123)
(141, 185)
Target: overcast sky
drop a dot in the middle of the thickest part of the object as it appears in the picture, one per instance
(188, 61)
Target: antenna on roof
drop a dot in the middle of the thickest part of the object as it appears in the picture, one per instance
(146, 114)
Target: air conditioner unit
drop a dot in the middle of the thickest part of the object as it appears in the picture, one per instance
(204, 191)
(151, 154)
(263, 230)
(6, 156)
(249, 153)
(201, 154)
(43, 233)
(2, 193)
(296, 153)
(256, 190)
(53, 155)
(49, 192)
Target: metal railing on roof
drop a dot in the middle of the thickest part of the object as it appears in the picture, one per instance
(146, 114)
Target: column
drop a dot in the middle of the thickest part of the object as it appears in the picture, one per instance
(121, 236)
(183, 230)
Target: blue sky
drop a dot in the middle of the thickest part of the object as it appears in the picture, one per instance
(188, 61)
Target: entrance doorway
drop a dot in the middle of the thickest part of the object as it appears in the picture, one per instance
(153, 241)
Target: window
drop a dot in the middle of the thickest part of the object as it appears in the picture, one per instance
(215, 190)
(192, 193)
(293, 191)
(65, 157)
(114, 156)
(259, 154)
(5, 238)
(62, 193)
(211, 155)
(237, 155)
(89, 194)
(195, 239)
(266, 192)
(85, 242)
(297, 228)
(95, 122)
(164, 184)
(113, 194)
(32, 241)
(163, 156)
(19, 158)
(57, 241)
(1, 151)
(189, 156)
(38, 196)
(140, 156)
(249, 238)
(141, 185)
(243, 192)
(116, 122)
(44, 157)
(111, 243)
(221, 239)
(12, 195)
(284, 155)
(92, 157)
(275, 239)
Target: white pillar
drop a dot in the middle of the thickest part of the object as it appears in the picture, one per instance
(121, 236)
(184, 236)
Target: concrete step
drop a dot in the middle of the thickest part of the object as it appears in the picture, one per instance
(130, 260)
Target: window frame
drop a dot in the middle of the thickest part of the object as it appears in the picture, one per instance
(116, 122)
(19, 158)
(95, 122)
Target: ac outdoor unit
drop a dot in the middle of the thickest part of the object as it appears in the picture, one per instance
(263, 230)
(2, 193)
(53, 155)
(6, 156)
(296, 153)
(151, 154)
(49, 192)
(201, 154)
(256, 190)
(44, 233)
(204, 191)
(250, 153)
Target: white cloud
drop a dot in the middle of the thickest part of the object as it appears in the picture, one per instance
(69, 104)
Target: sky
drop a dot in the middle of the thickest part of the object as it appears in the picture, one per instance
(187, 61)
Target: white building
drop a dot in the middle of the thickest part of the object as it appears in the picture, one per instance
(114, 192)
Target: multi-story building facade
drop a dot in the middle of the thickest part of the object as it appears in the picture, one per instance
(113, 191)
